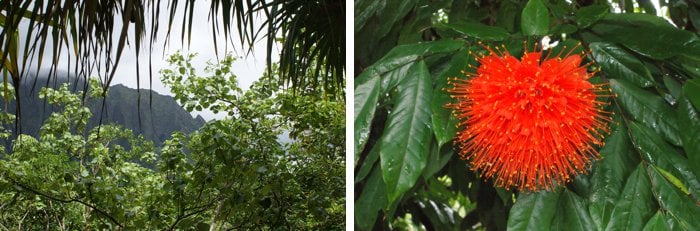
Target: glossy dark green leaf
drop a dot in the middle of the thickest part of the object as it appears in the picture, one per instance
(617, 63)
(444, 123)
(367, 165)
(391, 14)
(572, 213)
(564, 29)
(689, 119)
(380, 78)
(657, 152)
(533, 211)
(673, 86)
(416, 30)
(587, 15)
(370, 86)
(691, 67)
(677, 204)
(371, 200)
(648, 37)
(366, 96)
(365, 9)
(535, 18)
(691, 88)
(609, 174)
(647, 108)
(479, 31)
(401, 55)
(405, 142)
(635, 205)
(657, 223)
(636, 19)
(437, 159)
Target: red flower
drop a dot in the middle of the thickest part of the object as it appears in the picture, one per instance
(529, 123)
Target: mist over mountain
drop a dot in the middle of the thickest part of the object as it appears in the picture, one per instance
(159, 117)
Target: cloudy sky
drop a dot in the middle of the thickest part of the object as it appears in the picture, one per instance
(248, 68)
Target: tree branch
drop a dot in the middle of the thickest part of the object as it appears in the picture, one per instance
(111, 218)
(180, 218)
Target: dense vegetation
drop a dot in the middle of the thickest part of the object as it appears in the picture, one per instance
(230, 174)
(407, 172)
(121, 107)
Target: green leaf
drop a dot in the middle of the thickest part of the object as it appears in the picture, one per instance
(506, 14)
(444, 123)
(366, 97)
(691, 88)
(673, 86)
(657, 152)
(368, 164)
(657, 223)
(586, 16)
(382, 77)
(405, 142)
(572, 213)
(680, 206)
(673, 180)
(535, 18)
(365, 9)
(617, 63)
(564, 29)
(650, 37)
(690, 120)
(479, 31)
(402, 55)
(533, 211)
(392, 14)
(437, 159)
(690, 66)
(647, 108)
(609, 174)
(635, 206)
(371, 200)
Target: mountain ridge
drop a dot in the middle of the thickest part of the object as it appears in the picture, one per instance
(156, 122)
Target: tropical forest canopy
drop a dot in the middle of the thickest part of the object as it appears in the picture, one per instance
(408, 170)
(230, 174)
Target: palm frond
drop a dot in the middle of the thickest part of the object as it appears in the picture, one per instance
(313, 34)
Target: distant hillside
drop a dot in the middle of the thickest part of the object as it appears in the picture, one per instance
(158, 120)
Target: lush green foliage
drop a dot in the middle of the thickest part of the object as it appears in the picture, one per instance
(121, 106)
(231, 174)
(407, 174)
